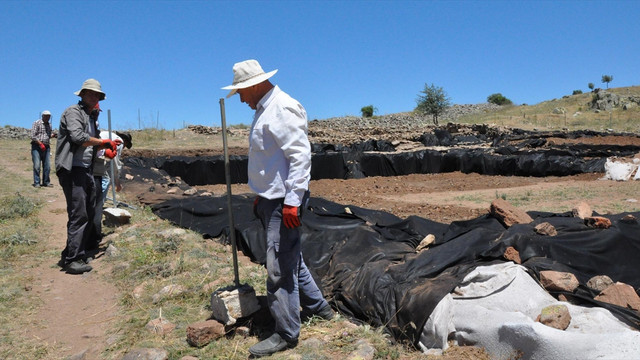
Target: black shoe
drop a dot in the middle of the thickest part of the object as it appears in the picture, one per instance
(271, 345)
(47, 185)
(77, 267)
(326, 313)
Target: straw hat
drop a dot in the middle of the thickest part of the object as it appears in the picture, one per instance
(93, 85)
(247, 74)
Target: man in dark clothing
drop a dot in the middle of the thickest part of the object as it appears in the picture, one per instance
(75, 151)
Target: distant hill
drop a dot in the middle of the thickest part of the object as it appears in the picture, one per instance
(615, 108)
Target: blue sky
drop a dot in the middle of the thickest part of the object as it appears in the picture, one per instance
(167, 60)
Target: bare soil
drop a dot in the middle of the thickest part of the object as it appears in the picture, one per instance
(77, 310)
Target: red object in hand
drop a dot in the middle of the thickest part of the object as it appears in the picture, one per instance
(290, 216)
(255, 206)
(42, 147)
(110, 153)
(107, 143)
(118, 142)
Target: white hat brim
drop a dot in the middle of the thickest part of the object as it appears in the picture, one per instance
(250, 82)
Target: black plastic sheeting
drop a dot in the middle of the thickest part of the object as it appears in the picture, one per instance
(206, 170)
(367, 267)
(518, 152)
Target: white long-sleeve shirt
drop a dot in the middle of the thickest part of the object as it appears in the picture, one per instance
(279, 150)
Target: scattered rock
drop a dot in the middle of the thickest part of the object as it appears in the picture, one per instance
(231, 303)
(558, 281)
(128, 177)
(629, 219)
(243, 331)
(599, 282)
(160, 326)
(173, 190)
(546, 229)
(364, 351)
(111, 251)
(428, 240)
(598, 222)
(620, 294)
(512, 254)
(116, 217)
(146, 354)
(188, 357)
(313, 343)
(138, 291)
(582, 210)
(201, 333)
(174, 232)
(190, 192)
(168, 291)
(508, 214)
(556, 316)
(82, 355)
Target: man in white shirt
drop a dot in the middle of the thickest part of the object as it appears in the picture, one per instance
(279, 172)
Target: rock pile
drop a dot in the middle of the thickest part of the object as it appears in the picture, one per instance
(406, 126)
(606, 101)
(13, 132)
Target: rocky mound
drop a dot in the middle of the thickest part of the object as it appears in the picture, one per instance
(13, 132)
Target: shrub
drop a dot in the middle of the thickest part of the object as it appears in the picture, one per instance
(591, 86)
(368, 111)
(16, 207)
(577, 92)
(498, 99)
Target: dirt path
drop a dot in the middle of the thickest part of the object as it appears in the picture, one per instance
(76, 310)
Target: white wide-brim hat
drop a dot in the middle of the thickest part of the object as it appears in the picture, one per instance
(93, 85)
(247, 74)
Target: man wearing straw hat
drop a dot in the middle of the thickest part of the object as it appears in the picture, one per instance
(279, 172)
(75, 152)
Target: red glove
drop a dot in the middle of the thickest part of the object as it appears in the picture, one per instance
(290, 216)
(255, 206)
(118, 142)
(110, 153)
(42, 147)
(107, 143)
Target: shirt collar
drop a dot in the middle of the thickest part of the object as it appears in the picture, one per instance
(268, 97)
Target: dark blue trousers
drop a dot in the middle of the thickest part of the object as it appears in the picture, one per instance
(289, 282)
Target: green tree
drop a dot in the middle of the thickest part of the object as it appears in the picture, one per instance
(433, 100)
(607, 79)
(498, 99)
(368, 111)
(577, 92)
(591, 86)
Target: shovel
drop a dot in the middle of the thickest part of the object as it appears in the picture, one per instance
(233, 302)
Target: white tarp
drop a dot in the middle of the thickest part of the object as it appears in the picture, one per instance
(496, 307)
(620, 170)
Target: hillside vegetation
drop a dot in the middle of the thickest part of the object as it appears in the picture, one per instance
(573, 112)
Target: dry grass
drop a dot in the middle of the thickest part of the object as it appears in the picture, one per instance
(577, 116)
(149, 261)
